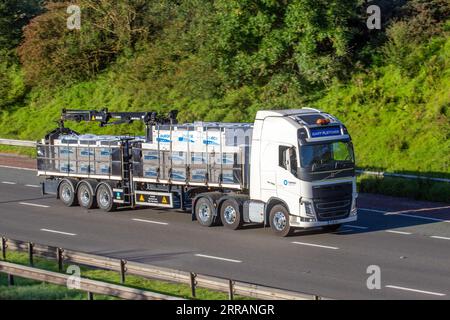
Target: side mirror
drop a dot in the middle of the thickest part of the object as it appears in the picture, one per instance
(287, 159)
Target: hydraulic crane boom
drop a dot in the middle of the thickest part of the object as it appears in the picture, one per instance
(105, 117)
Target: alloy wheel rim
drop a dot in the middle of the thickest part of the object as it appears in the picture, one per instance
(66, 193)
(203, 212)
(230, 215)
(279, 221)
(104, 198)
(85, 196)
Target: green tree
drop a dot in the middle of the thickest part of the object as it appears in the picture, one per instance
(258, 40)
(14, 15)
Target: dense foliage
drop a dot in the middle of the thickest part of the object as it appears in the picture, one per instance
(223, 60)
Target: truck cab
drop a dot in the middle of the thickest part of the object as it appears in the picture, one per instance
(302, 170)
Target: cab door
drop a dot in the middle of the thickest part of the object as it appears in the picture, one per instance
(288, 185)
(268, 170)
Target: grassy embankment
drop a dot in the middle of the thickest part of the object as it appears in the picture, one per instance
(25, 289)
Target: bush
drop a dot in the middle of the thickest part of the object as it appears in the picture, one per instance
(419, 189)
(12, 86)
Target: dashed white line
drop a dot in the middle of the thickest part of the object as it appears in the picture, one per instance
(315, 245)
(398, 232)
(32, 186)
(355, 227)
(414, 216)
(404, 214)
(415, 290)
(217, 258)
(423, 209)
(8, 182)
(372, 210)
(438, 237)
(59, 232)
(34, 205)
(150, 221)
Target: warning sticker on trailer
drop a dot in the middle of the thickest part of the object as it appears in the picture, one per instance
(154, 199)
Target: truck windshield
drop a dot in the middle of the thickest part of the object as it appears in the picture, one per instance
(327, 156)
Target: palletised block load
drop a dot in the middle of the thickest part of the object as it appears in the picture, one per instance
(199, 153)
(85, 155)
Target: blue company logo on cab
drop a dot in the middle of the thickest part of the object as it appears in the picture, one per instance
(289, 183)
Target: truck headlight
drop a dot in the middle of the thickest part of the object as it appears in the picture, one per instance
(353, 210)
(309, 211)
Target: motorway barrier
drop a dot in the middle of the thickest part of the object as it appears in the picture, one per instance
(87, 285)
(230, 286)
(18, 143)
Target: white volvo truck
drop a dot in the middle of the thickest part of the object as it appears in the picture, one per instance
(289, 169)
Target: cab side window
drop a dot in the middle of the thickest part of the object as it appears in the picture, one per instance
(287, 159)
(282, 153)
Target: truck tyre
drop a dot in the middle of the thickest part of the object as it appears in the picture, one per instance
(279, 221)
(230, 215)
(332, 228)
(86, 196)
(204, 212)
(67, 193)
(105, 199)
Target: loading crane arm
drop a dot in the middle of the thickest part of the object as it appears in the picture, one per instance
(104, 117)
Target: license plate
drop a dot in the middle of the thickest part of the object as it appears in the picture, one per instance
(333, 222)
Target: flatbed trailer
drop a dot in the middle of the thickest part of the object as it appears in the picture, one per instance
(289, 169)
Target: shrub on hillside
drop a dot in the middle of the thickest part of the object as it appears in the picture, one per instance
(52, 53)
(12, 87)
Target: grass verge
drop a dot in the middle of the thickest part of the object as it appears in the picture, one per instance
(25, 289)
(21, 151)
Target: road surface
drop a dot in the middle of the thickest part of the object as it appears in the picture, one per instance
(408, 240)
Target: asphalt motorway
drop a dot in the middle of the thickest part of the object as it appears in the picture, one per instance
(408, 240)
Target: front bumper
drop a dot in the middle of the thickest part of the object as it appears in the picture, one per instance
(295, 221)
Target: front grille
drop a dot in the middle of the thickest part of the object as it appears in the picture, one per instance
(332, 202)
(331, 210)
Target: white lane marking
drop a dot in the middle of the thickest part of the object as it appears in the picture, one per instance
(398, 232)
(414, 216)
(8, 182)
(415, 290)
(422, 209)
(17, 168)
(217, 258)
(403, 213)
(372, 210)
(34, 205)
(32, 185)
(150, 221)
(59, 232)
(438, 237)
(315, 245)
(355, 227)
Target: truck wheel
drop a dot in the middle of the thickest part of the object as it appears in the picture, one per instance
(105, 198)
(279, 221)
(204, 212)
(230, 215)
(332, 228)
(86, 196)
(67, 193)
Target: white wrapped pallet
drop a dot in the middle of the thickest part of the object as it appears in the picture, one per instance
(212, 153)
